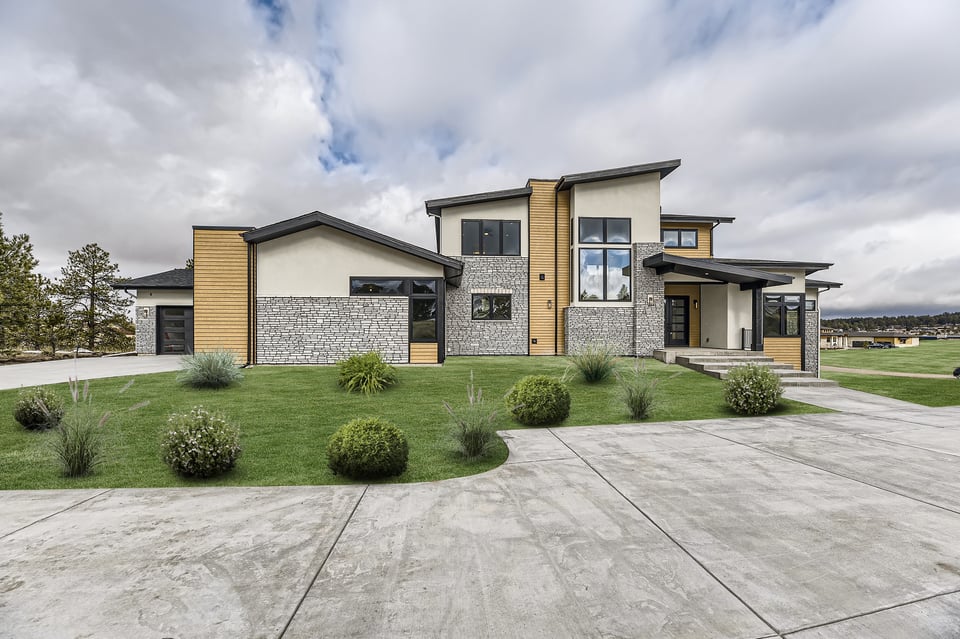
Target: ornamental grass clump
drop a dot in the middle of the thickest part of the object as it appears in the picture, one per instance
(200, 443)
(365, 373)
(474, 424)
(38, 408)
(539, 400)
(211, 369)
(638, 392)
(596, 362)
(368, 448)
(78, 439)
(752, 389)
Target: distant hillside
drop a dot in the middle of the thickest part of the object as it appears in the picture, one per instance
(905, 322)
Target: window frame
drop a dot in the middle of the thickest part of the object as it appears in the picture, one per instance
(680, 232)
(809, 305)
(604, 233)
(500, 230)
(780, 302)
(474, 296)
(605, 251)
(407, 290)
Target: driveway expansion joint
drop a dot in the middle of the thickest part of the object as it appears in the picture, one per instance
(62, 510)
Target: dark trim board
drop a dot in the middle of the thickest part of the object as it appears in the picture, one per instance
(435, 207)
(663, 168)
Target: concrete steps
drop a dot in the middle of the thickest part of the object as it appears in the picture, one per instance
(717, 363)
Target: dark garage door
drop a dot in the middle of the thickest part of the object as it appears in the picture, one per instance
(174, 330)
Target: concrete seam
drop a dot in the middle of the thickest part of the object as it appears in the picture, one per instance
(669, 536)
(879, 438)
(323, 563)
(70, 507)
(872, 612)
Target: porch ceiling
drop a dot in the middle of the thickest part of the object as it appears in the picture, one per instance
(747, 278)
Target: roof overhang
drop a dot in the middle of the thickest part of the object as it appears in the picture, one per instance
(452, 268)
(663, 168)
(178, 278)
(823, 284)
(712, 270)
(696, 219)
(434, 207)
(806, 267)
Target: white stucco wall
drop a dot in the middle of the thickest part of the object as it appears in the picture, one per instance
(165, 297)
(713, 316)
(739, 314)
(320, 261)
(637, 198)
(512, 209)
(798, 285)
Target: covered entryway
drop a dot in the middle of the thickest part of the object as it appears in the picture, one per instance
(677, 320)
(174, 330)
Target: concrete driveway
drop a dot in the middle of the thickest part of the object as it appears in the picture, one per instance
(816, 526)
(59, 371)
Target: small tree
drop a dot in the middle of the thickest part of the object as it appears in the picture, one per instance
(17, 287)
(94, 308)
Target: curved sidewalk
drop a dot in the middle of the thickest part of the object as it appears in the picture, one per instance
(867, 371)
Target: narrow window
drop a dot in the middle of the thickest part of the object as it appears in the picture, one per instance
(470, 237)
(370, 286)
(671, 238)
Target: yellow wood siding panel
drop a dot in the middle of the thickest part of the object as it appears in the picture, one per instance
(423, 353)
(693, 292)
(563, 265)
(543, 248)
(220, 291)
(704, 245)
(783, 349)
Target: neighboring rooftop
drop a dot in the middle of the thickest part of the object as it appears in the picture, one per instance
(174, 278)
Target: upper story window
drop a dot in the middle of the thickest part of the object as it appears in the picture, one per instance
(605, 275)
(679, 238)
(490, 237)
(781, 315)
(604, 230)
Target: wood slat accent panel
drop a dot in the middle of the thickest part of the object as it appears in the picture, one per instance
(704, 246)
(423, 353)
(542, 247)
(783, 349)
(563, 265)
(693, 292)
(220, 293)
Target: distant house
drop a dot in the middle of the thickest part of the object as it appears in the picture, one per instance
(543, 269)
(836, 339)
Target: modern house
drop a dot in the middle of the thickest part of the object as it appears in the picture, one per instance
(540, 270)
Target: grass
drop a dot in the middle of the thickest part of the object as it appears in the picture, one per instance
(927, 392)
(287, 414)
(940, 356)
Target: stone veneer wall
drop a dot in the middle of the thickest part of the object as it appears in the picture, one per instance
(610, 325)
(324, 330)
(146, 330)
(648, 314)
(466, 336)
(811, 335)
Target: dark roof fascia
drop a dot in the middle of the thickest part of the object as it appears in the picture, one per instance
(695, 219)
(434, 207)
(698, 267)
(875, 334)
(317, 218)
(808, 267)
(663, 168)
(200, 227)
(823, 284)
(177, 278)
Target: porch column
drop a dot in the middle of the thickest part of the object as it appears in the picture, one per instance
(756, 343)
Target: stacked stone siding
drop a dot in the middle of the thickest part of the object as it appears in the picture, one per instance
(466, 336)
(324, 330)
(146, 330)
(648, 312)
(811, 336)
(610, 325)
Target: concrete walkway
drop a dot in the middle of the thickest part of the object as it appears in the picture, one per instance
(812, 526)
(59, 371)
(867, 371)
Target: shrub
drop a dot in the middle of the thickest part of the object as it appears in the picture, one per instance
(474, 429)
(539, 400)
(638, 392)
(78, 444)
(752, 389)
(595, 362)
(212, 369)
(368, 448)
(38, 408)
(366, 373)
(200, 443)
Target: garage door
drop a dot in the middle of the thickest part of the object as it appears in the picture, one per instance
(174, 330)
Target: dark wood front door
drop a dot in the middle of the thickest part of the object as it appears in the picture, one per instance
(174, 330)
(677, 320)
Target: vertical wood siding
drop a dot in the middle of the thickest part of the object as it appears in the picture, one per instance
(543, 259)
(563, 265)
(220, 291)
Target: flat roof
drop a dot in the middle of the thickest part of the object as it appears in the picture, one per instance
(434, 206)
(807, 267)
(694, 219)
(823, 284)
(713, 270)
(174, 278)
(663, 168)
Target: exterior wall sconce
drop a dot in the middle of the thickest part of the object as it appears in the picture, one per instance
(696, 304)
(650, 299)
(549, 303)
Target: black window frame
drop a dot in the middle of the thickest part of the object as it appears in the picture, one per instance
(402, 291)
(680, 232)
(605, 239)
(474, 318)
(809, 305)
(605, 250)
(480, 236)
(407, 290)
(779, 303)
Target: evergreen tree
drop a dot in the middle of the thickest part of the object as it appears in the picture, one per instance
(95, 311)
(16, 287)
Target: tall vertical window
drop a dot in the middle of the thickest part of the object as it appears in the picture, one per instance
(490, 237)
(781, 315)
(605, 275)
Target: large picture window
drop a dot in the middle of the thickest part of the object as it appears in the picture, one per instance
(679, 238)
(491, 306)
(604, 230)
(605, 275)
(490, 237)
(781, 315)
(423, 301)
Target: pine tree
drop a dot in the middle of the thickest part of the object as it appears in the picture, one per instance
(16, 287)
(94, 309)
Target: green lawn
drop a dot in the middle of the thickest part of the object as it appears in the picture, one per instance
(286, 415)
(928, 392)
(940, 356)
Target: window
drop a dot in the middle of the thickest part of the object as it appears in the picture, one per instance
(423, 319)
(604, 230)
(491, 307)
(810, 305)
(679, 238)
(490, 237)
(781, 315)
(364, 286)
(423, 301)
(605, 275)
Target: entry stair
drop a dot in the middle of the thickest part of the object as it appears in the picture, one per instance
(717, 363)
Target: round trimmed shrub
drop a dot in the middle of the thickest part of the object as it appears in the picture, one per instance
(539, 400)
(200, 443)
(38, 409)
(368, 448)
(752, 389)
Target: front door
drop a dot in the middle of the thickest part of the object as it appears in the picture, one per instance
(174, 330)
(677, 320)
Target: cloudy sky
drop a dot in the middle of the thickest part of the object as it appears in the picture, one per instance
(830, 130)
